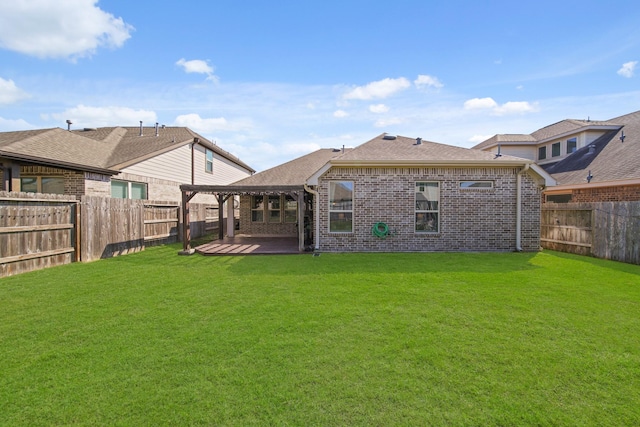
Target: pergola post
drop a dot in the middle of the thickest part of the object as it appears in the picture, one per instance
(220, 198)
(231, 219)
(301, 211)
(186, 223)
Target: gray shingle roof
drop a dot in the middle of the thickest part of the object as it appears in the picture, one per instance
(612, 160)
(548, 132)
(109, 148)
(294, 172)
(505, 138)
(403, 149)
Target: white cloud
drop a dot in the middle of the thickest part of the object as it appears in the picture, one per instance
(380, 89)
(85, 116)
(59, 29)
(381, 123)
(628, 69)
(208, 125)
(424, 81)
(479, 138)
(10, 124)
(378, 108)
(511, 107)
(480, 104)
(340, 114)
(10, 93)
(197, 66)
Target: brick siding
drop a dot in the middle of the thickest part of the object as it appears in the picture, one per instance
(470, 220)
(623, 193)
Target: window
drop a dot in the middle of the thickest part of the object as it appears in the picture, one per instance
(128, 190)
(341, 206)
(559, 198)
(464, 185)
(208, 163)
(42, 184)
(274, 208)
(572, 145)
(290, 209)
(257, 208)
(542, 153)
(427, 207)
(555, 149)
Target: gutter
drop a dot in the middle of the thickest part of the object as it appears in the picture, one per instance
(519, 207)
(316, 220)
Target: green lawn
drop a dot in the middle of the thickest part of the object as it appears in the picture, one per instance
(340, 339)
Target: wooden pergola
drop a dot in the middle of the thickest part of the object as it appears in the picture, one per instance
(223, 193)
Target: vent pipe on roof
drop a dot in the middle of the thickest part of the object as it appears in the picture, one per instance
(157, 129)
(140, 128)
(418, 141)
(69, 123)
(592, 149)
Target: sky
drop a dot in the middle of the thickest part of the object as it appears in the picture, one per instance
(272, 81)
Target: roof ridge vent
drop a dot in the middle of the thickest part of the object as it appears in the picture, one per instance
(389, 137)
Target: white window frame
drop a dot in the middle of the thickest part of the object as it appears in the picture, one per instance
(130, 187)
(334, 208)
(431, 210)
(208, 162)
(475, 185)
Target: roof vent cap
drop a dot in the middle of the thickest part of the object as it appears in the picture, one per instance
(389, 137)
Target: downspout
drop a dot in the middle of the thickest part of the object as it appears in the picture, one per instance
(316, 220)
(519, 207)
(193, 162)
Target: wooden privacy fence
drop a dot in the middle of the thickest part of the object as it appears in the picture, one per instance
(43, 230)
(609, 230)
(37, 231)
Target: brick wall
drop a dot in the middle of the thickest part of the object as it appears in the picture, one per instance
(623, 193)
(470, 220)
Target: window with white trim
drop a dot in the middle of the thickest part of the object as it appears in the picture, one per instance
(472, 185)
(542, 153)
(341, 206)
(128, 190)
(555, 149)
(208, 162)
(572, 145)
(427, 196)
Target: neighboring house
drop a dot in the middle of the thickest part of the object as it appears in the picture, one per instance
(592, 161)
(395, 194)
(123, 162)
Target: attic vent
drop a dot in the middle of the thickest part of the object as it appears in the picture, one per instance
(418, 141)
(389, 137)
(89, 129)
(592, 149)
(336, 150)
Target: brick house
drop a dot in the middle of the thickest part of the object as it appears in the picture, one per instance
(592, 161)
(122, 162)
(394, 193)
